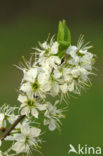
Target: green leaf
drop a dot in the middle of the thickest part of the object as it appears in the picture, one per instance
(60, 36)
(64, 44)
(63, 36)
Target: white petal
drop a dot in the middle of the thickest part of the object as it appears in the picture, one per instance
(76, 72)
(52, 125)
(54, 61)
(34, 112)
(64, 88)
(0, 142)
(75, 61)
(2, 117)
(50, 107)
(56, 102)
(43, 77)
(47, 114)
(57, 73)
(45, 45)
(71, 87)
(25, 129)
(55, 89)
(12, 118)
(25, 111)
(9, 138)
(72, 51)
(30, 75)
(22, 98)
(82, 51)
(35, 132)
(22, 105)
(19, 137)
(46, 122)
(19, 147)
(26, 87)
(42, 107)
(54, 48)
(46, 87)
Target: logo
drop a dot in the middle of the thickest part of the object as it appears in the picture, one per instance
(84, 150)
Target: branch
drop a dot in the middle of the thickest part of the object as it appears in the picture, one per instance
(7, 132)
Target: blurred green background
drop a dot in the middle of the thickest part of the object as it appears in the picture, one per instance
(22, 25)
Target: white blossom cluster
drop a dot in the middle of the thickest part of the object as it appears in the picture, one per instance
(47, 78)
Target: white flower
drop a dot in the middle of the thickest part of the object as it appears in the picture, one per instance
(37, 86)
(26, 140)
(79, 55)
(48, 48)
(53, 116)
(30, 106)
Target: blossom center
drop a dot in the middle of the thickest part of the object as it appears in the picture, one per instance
(35, 86)
(30, 102)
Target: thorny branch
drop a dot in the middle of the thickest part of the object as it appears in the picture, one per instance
(7, 132)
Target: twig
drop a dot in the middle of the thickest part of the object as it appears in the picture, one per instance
(7, 132)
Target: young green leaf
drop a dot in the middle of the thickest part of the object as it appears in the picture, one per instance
(63, 36)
